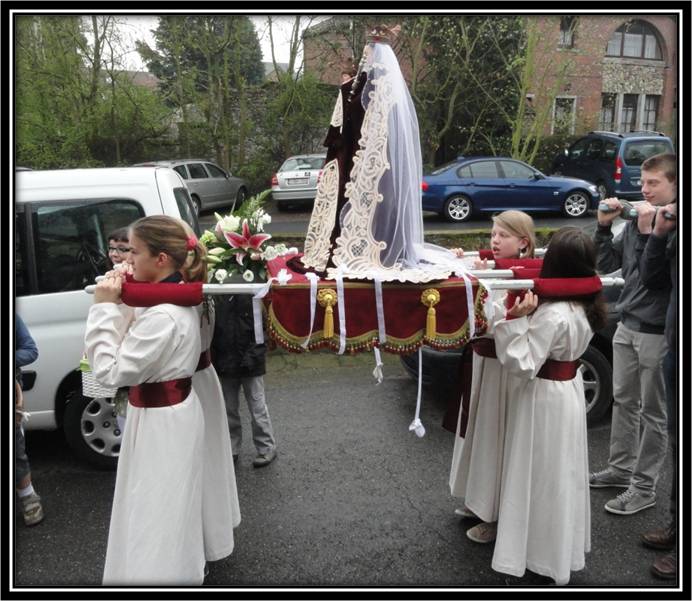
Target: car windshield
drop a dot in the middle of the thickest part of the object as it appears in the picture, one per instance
(297, 163)
(637, 151)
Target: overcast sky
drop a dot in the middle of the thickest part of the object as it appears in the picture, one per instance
(139, 27)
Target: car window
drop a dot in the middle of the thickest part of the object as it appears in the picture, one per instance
(182, 171)
(443, 168)
(70, 243)
(214, 171)
(609, 150)
(297, 163)
(187, 214)
(516, 170)
(594, 149)
(465, 171)
(637, 151)
(197, 171)
(484, 169)
(578, 149)
(21, 271)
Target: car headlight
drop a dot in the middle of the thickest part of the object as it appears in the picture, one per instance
(593, 189)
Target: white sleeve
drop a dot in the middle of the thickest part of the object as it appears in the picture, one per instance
(523, 344)
(121, 357)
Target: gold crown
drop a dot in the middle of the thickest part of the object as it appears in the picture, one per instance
(383, 34)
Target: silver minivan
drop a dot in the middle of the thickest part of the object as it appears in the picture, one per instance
(62, 219)
(210, 185)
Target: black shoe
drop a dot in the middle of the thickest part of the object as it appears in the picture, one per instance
(264, 459)
(665, 567)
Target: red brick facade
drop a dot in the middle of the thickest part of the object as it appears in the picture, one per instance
(589, 74)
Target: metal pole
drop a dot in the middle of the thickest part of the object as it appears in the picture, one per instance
(498, 279)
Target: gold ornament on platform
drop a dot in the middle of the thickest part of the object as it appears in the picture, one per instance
(327, 299)
(430, 297)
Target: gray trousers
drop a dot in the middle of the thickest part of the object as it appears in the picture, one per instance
(638, 437)
(262, 432)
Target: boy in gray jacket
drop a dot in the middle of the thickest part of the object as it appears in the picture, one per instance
(638, 437)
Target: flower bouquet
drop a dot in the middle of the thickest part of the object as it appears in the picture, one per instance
(237, 247)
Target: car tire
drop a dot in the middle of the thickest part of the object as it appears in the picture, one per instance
(91, 429)
(597, 375)
(240, 198)
(458, 208)
(576, 204)
(196, 204)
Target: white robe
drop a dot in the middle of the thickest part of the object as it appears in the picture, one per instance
(476, 469)
(544, 521)
(220, 507)
(155, 535)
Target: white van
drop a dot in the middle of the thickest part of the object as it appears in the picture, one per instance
(62, 220)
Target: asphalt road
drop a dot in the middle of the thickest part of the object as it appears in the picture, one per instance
(353, 499)
(294, 221)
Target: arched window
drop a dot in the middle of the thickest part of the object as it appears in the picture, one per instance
(634, 39)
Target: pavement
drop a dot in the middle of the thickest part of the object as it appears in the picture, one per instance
(353, 499)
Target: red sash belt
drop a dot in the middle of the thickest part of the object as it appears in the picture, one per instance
(551, 370)
(204, 360)
(160, 394)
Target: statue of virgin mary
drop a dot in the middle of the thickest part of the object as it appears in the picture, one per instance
(367, 221)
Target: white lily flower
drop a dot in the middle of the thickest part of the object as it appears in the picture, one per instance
(229, 223)
(221, 275)
(248, 276)
(216, 251)
(292, 251)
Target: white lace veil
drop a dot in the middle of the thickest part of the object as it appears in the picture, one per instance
(386, 240)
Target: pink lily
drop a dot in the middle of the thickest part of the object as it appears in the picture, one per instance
(246, 242)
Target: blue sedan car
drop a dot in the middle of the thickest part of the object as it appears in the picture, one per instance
(473, 185)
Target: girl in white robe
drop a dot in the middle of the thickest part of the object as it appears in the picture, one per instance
(220, 507)
(475, 473)
(156, 531)
(544, 514)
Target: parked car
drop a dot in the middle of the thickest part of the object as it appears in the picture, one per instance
(473, 185)
(441, 373)
(612, 161)
(209, 185)
(296, 180)
(62, 220)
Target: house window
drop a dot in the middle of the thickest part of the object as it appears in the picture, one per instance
(563, 115)
(635, 39)
(650, 113)
(567, 27)
(628, 116)
(606, 121)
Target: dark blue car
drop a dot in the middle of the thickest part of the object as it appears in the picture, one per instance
(474, 185)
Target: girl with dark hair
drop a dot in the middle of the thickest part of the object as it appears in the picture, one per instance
(156, 530)
(544, 514)
(118, 247)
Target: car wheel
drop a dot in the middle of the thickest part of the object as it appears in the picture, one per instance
(597, 375)
(92, 430)
(196, 204)
(240, 197)
(576, 204)
(458, 208)
(602, 190)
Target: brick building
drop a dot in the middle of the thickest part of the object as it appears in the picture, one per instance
(620, 71)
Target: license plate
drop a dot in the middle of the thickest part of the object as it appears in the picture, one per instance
(297, 181)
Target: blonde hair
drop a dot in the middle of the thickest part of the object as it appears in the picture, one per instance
(164, 234)
(519, 224)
